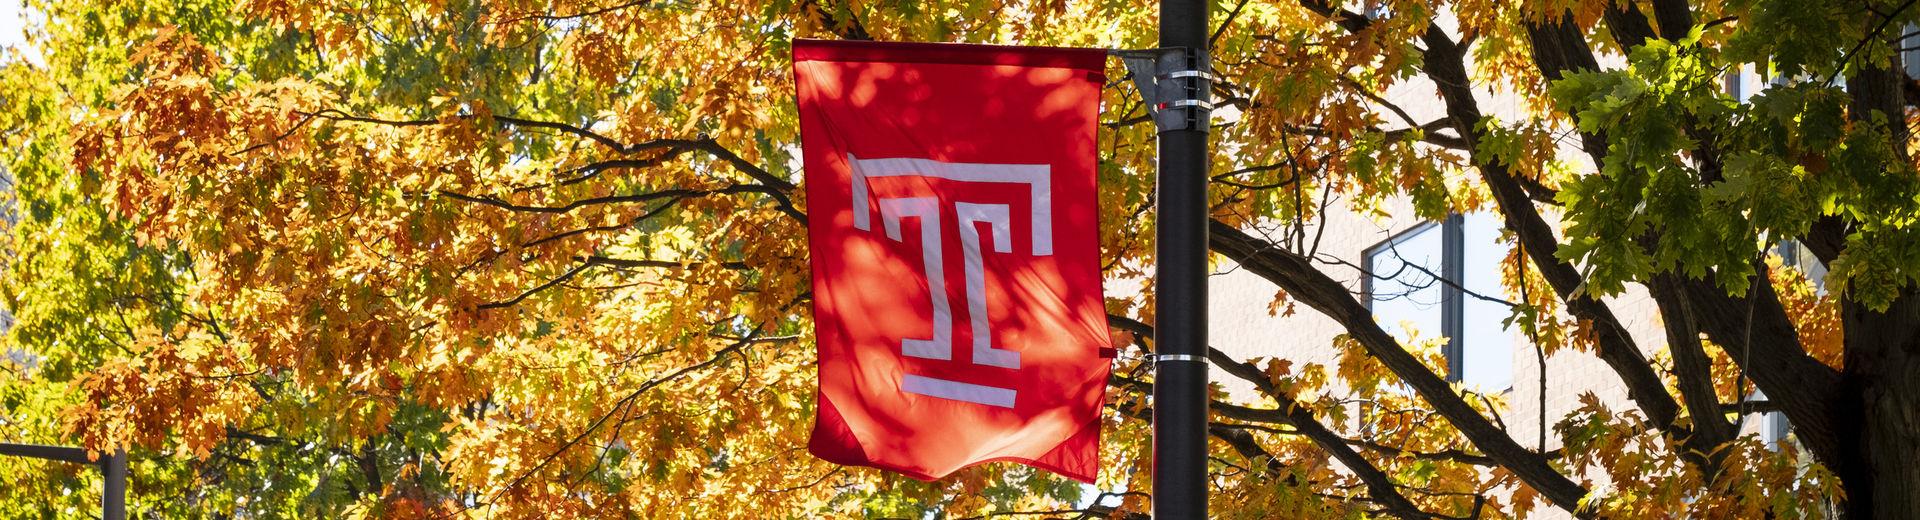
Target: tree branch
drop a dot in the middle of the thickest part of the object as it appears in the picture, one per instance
(624, 263)
(1444, 61)
(1299, 278)
(1803, 385)
(629, 400)
(772, 185)
(1694, 373)
(582, 14)
(676, 193)
(1765, 346)
(575, 271)
(1290, 412)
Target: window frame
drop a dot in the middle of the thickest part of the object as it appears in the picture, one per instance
(1452, 295)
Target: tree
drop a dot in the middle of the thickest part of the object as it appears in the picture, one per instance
(543, 258)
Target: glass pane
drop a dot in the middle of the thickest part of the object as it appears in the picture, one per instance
(1403, 295)
(1487, 343)
(1809, 265)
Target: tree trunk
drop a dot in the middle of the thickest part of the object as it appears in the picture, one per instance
(1882, 375)
(1892, 439)
(1882, 372)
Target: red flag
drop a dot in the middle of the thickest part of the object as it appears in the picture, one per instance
(956, 270)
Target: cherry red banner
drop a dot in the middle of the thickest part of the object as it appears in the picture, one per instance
(956, 274)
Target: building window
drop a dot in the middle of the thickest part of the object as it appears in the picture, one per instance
(1438, 278)
(1773, 429)
(1745, 81)
(1738, 85)
(1772, 426)
(1377, 9)
(1909, 47)
(1794, 254)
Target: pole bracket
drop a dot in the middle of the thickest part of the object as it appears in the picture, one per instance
(1159, 358)
(1177, 84)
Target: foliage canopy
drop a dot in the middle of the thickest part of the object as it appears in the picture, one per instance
(543, 258)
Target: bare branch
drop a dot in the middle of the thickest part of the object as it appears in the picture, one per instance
(772, 185)
(575, 271)
(677, 193)
(636, 264)
(583, 14)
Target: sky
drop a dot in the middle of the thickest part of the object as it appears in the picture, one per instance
(13, 29)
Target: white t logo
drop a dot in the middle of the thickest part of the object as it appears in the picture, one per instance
(933, 258)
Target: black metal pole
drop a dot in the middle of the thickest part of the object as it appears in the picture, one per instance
(1180, 289)
(39, 451)
(113, 504)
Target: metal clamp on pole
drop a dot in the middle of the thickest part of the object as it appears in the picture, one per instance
(1177, 83)
(1160, 358)
(1183, 90)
